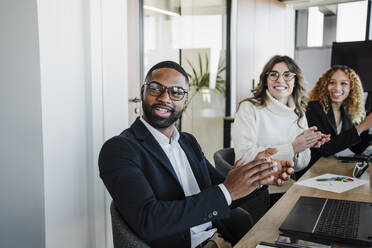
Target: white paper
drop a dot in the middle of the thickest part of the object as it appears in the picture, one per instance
(333, 186)
(365, 176)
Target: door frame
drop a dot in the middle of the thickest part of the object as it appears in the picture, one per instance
(107, 106)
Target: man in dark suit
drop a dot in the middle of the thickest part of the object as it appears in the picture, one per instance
(159, 178)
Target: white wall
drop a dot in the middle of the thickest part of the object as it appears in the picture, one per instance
(63, 92)
(264, 28)
(313, 62)
(64, 120)
(21, 148)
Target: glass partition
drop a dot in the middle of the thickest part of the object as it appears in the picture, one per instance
(192, 33)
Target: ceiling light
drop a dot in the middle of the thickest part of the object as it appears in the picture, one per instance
(166, 12)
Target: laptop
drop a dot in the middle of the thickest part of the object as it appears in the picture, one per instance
(348, 156)
(328, 220)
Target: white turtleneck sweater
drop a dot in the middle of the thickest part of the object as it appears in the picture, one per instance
(256, 128)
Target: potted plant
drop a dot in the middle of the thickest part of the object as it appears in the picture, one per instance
(200, 93)
(200, 80)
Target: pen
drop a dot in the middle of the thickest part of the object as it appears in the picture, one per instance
(282, 245)
(339, 179)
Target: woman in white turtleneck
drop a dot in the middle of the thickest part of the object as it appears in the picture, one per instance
(275, 116)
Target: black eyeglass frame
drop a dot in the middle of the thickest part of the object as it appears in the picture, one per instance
(168, 88)
(276, 78)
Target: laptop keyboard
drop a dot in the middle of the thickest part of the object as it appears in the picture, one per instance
(339, 218)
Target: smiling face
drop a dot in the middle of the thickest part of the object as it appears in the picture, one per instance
(160, 111)
(279, 88)
(338, 87)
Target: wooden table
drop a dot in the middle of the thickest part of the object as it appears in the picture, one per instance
(267, 228)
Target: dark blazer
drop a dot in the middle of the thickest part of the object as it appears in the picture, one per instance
(145, 188)
(325, 122)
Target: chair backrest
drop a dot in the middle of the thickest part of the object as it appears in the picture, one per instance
(224, 159)
(123, 236)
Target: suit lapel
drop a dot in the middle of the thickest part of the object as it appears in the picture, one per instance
(193, 161)
(152, 146)
(331, 119)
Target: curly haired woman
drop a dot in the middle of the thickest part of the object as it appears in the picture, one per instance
(336, 108)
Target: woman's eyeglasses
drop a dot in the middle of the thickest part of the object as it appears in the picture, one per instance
(156, 89)
(274, 75)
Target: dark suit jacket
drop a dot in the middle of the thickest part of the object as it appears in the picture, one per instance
(325, 122)
(145, 188)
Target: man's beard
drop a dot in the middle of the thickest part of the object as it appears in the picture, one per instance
(156, 121)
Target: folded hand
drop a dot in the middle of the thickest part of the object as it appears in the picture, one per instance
(283, 169)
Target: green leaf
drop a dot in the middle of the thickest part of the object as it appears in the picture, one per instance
(200, 64)
(221, 69)
(206, 62)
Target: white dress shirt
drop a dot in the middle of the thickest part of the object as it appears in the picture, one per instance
(186, 178)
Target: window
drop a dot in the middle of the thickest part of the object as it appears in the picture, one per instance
(321, 25)
(315, 27)
(351, 21)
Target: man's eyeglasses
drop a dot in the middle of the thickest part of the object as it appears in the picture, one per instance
(274, 75)
(156, 89)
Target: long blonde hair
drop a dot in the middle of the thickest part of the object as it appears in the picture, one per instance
(259, 97)
(353, 104)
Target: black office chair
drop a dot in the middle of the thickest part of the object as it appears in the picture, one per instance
(257, 206)
(224, 159)
(123, 236)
